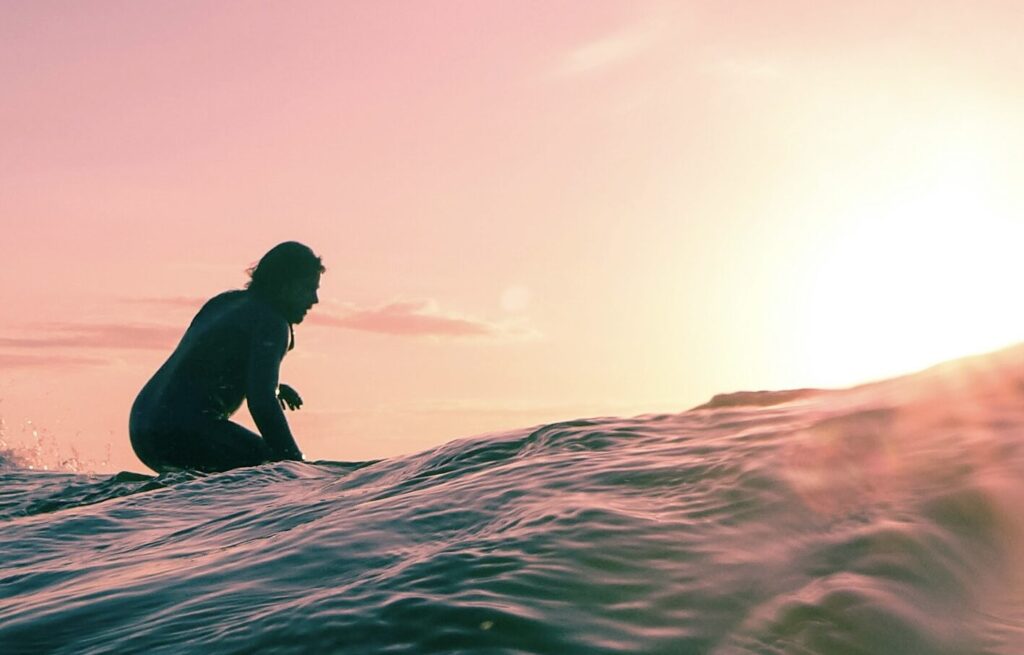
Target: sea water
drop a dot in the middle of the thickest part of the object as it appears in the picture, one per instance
(887, 518)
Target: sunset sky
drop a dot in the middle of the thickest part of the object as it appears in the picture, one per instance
(529, 211)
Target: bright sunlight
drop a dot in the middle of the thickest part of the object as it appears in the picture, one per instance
(926, 273)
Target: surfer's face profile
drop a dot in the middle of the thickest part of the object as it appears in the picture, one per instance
(298, 296)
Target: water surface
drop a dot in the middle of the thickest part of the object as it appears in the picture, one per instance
(882, 519)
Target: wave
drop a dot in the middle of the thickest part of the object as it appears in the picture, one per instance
(878, 519)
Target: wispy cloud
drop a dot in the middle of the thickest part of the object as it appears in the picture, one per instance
(96, 335)
(15, 360)
(190, 302)
(409, 318)
(416, 318)
(609, 50)
(747, 70)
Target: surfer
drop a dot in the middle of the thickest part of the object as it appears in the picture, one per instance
(232, 351)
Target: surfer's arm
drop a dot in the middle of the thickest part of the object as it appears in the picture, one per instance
(269, 344)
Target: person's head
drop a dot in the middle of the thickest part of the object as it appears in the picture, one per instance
(288, 276)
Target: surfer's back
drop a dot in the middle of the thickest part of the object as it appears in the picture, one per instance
(206, 373)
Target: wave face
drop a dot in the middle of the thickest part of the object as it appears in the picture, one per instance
(880, 519)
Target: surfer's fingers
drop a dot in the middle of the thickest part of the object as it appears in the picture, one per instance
(288, 397)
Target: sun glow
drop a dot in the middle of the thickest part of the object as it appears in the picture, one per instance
(924, 274)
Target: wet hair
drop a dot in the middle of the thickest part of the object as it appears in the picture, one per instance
(284, 263)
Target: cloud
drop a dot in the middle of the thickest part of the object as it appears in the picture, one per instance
(11, 360)
(748, 70)
(609, 50)
(416, 318)
(191, 302)
(100, 335)
(40, 345)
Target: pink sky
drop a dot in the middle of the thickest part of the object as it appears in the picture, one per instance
(528, 211)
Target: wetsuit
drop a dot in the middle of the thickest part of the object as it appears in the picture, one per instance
(231, 352)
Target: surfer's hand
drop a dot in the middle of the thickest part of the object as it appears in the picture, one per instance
(288, 397)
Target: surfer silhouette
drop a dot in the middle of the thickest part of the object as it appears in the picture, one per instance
(231, 352)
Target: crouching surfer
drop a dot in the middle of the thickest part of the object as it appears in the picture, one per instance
(231, 351)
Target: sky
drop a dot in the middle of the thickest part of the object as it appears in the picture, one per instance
(529, 211)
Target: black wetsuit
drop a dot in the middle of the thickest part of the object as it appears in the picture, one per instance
(231, 352)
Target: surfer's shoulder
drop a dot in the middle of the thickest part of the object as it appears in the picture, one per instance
(243, 307)
(268, 325)
(222, 301)
(228, 297)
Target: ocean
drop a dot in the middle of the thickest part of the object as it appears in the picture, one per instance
(885, 518)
